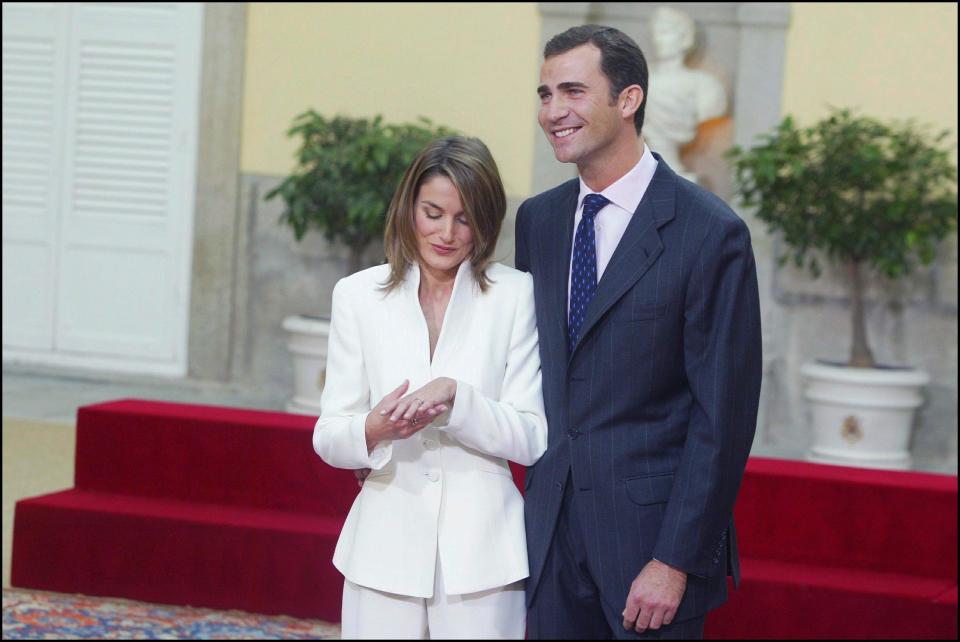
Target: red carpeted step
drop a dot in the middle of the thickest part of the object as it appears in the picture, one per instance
(948, 597)
(231, 508)
(836, 516)
(778, 600)
(205, 555)
(207, 454)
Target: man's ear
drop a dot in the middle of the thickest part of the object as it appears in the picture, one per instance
(630, 100)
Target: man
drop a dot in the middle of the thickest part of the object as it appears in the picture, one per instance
(649, 324)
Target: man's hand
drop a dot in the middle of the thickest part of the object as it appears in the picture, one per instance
(654, 597)
(361, 474)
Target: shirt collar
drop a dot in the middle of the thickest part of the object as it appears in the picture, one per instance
(629, 189)
(412, 279)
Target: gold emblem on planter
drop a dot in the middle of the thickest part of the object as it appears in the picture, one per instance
(851, 430)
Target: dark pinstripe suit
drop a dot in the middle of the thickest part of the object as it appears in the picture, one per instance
(653, 414)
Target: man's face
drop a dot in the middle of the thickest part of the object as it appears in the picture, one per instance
(575, 110)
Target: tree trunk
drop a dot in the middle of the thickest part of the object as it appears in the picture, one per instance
(860, 355)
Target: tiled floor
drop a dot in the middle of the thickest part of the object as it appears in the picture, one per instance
(56, 397)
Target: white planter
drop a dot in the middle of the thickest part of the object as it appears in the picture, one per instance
(308, 347)
(862, 416)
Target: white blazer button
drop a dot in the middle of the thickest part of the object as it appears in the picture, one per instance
(433, 476)
(430, 444)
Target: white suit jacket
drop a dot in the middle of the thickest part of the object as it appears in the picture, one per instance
(447, 491)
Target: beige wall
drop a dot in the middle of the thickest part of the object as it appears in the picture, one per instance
(895, 60)
(472, 67)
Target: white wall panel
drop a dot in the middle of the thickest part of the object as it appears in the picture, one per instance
(34, 92)
(102, 125)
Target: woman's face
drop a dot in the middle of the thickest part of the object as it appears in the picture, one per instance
(444, 238)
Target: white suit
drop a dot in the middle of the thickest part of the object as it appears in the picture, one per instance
(446, 492)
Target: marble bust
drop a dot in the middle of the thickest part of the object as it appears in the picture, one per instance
(680, 98)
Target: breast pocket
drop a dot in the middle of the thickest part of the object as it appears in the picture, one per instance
(638, 313)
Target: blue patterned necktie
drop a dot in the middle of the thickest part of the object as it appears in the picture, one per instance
(583, 277)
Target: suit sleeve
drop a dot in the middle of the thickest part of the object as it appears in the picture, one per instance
(514, 426)
(722, 358)
(339, 436)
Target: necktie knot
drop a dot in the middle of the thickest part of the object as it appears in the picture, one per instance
(593, 203)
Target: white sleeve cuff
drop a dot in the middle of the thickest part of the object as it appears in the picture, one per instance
(380, 454)
(455, 418)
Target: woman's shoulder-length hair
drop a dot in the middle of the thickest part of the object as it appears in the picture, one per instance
(468, 164)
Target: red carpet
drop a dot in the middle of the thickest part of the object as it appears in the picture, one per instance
(835, 552)
(197, 505)
(231, 509)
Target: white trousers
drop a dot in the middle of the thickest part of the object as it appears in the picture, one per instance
(495, 614)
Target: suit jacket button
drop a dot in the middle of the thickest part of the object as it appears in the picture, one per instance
(573, 434)
(433, 476)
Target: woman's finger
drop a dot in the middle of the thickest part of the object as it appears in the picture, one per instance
(436, 408)
(399, 410)
(414, 407)
(387, 407)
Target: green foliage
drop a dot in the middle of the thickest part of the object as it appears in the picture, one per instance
(346, 174)
(861, 191)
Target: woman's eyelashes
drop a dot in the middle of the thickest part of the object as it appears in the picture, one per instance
(433, 216)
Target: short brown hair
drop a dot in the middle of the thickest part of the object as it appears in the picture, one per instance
(470, 167)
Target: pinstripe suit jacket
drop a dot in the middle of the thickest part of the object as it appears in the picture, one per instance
(654, 411)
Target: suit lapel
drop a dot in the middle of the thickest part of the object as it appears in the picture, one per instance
(637, 250)
(455, 326)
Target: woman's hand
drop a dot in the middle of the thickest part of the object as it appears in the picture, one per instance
(398, 418)
(380, 425)
(424, 405)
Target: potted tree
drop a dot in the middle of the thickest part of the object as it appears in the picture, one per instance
(870, 197)
(347, 170)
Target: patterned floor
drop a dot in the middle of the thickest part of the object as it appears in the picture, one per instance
(40, 615)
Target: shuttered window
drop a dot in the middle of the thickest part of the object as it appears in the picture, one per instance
(99, 158)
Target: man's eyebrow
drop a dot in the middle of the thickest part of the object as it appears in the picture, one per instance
(542, 89)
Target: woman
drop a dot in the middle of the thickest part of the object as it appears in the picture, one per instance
(434, 544)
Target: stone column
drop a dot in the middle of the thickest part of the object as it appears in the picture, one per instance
(215, 280)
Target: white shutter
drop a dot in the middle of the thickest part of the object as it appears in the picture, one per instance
(124, 228)
(34, 66)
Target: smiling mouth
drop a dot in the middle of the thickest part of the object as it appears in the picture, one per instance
(564, 133)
